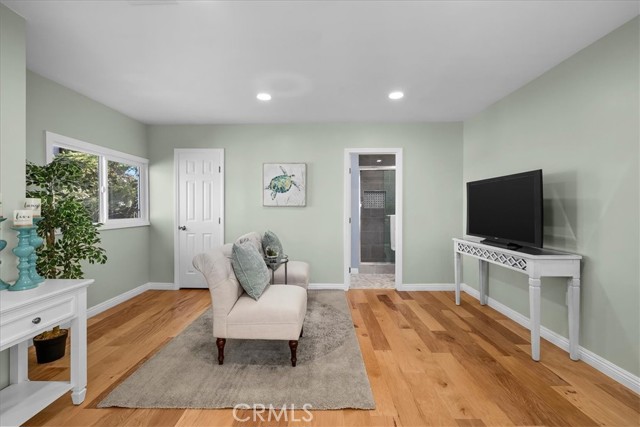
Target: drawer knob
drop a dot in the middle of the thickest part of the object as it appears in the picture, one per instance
(36, 320)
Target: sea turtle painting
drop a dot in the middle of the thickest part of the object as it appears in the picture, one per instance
(281, 183)
(284, 183)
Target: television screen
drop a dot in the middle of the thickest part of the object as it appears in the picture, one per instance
(506, 209)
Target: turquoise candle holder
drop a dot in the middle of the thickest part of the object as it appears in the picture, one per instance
(3, 244)
(35, 241)
(23, 251)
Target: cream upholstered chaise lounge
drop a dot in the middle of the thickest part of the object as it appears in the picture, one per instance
(277, 315)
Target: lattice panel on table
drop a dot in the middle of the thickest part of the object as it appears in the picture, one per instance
(374, 199)
(497, 257)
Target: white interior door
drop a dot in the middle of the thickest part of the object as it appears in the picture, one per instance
(199, 216)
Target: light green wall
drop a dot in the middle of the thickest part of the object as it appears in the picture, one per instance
(52, 107)
(12, 140)
(432, 190)
(579, 123)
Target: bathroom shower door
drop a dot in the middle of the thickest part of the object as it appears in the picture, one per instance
(377, 196)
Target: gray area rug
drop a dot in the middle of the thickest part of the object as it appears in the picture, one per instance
(330, 373)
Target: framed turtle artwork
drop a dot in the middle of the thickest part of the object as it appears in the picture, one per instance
(284, 184)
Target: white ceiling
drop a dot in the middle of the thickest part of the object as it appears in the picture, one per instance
(164, 61)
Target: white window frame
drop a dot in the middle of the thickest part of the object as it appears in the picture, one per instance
(105, 155)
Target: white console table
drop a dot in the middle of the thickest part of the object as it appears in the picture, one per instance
(535, 263)
(24, 314)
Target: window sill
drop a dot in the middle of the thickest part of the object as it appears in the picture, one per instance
(127, 224)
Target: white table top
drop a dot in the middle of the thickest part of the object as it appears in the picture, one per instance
(525, 252)
(50, 287)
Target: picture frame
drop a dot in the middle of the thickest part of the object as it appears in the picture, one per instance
(284, 184)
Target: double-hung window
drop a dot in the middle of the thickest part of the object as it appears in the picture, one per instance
(117, 184)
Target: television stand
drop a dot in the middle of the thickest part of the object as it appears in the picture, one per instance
(536, 263)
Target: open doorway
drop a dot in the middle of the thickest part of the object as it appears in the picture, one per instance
(373, 206)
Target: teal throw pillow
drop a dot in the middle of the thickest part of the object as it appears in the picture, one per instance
(271, 240)
(250, 269)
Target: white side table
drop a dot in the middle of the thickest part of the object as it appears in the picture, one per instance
(25, 314)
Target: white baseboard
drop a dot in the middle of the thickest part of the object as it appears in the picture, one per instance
(118, 299)
(615, 372)
(354, 270)
(326, 286)
(429, 287)
(603, 365)
(161, 286)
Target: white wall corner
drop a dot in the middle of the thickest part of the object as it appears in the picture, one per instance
(603, 365)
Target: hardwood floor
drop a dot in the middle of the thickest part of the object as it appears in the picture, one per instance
(429, 362)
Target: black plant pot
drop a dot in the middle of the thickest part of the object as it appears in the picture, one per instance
(48, 350)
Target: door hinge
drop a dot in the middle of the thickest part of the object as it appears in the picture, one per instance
(349, 269)
(219, 220)
(219, 169)
(349, 220)
(349, 171)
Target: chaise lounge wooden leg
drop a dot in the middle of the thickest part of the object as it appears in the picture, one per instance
(293, 345)
(220, 342)
(301, 331)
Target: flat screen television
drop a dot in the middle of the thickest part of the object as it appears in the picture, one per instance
(506, 210)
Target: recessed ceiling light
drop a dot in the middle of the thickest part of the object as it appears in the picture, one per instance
(264, 96)
(379, 161)
(396, 95)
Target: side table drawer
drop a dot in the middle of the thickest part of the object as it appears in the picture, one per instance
(31, 320)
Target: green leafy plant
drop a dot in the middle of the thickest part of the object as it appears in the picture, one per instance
(271, 252)
(69, 233)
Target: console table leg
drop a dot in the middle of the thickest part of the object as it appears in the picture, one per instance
(573, 288)
(482, 281)
(78, 362)
(534, 309)
(78, 396)
(19, 363)
(458, 272)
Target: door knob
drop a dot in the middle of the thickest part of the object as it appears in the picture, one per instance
(182, 227)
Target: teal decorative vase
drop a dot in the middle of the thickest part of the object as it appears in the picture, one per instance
(3, 244)
(23, 251)
(35, 241)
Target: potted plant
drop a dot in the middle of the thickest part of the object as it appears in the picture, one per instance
(271, 252)
(69, 233)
